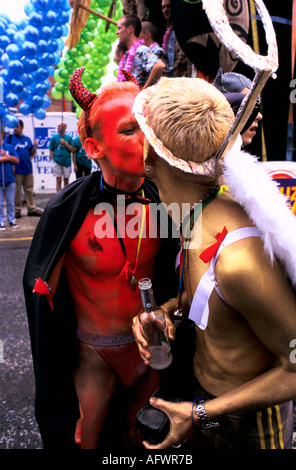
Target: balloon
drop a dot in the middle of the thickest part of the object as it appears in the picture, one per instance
(56, 94)
(16, 86)
(41, 74)
(3, 109)
(57, 31)
(24, 94)
(46, 102)
(30, 65)
(52, 45)
(9, 120)
(11, 99)
(62, 18)
(4, 41)
(40, 89)
(47, 59)
(41, 46)
(37, 101)
(15, 68)
(56, 4)
(25, 108)
(26, 78)
(31, 33)
(24, 23)
(40, 5)
(19, 38)
(85, 49)
(50, 70)
(39, 113)
(49, 18)
(29, 49)
(5, 60)
(29, 8)
(10, 32)
(2, 28)
(35, 19)
(45, 32)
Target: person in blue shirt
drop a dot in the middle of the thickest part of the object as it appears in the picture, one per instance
(24, 170)
(149, 34)
(8, 158)
(60, 148)
(82, 165)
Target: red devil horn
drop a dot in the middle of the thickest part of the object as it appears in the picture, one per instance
(130, 77)
(80, 93)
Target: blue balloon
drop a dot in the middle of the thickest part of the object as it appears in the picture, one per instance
(25, 109)
(19, 38)
(66, 5)
(49, 18)
(39, 113)
(62, 17)
(37, 101)
(47, 84)
(45, 32)
(57, 58)
(4, 41)
(56, 4)
(5, 60)
(51, 70)
(5, 75)
(35, 19)
(5, 18)
(29, 49)
(23, 95)
(9, 120)
(40, 5)
(40, 89)
(30, 65)
(11, 99)
(4, 109)
(47, 59)
(2, 28)
(57, 31)
(27, 79)
(65, 30)
(52, 45)
(41, 74)
(24, 23)
(41, 46)
(29, 8)
(60, 44)
(13, 51)
(31, 33)
(10, 32)
(15, 68)
(13, 26)
(46, 102)
(16, 86)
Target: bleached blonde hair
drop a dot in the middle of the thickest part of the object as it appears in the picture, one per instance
(190, 116)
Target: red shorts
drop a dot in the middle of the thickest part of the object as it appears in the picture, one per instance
(120, 352)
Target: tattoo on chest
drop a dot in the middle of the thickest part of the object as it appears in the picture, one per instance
(94, 245)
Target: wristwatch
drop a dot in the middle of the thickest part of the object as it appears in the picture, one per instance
(205, 422)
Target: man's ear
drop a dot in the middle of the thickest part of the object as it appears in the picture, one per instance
(94, 148)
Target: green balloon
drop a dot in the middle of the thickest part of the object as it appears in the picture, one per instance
(73, 53)
(64, 73)
(95, 52)
(106, 48)
(84, 48)
(86, 36)
(78, 112)
(56, 94)
(80, 61)
(91, 24)
(59, 86)
(69, 63)
(104, 60)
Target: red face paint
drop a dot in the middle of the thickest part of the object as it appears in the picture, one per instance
(122, 137)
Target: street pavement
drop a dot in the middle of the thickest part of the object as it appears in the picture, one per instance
(18, 428)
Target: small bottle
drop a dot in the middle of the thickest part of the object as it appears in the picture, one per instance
(154, 325)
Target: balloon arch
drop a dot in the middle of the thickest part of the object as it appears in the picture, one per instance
(33, 50)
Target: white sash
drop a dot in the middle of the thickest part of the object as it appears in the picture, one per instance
(199, 310)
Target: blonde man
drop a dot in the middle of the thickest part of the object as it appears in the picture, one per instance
(237, 279)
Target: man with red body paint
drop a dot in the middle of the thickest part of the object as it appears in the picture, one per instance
(97, 273)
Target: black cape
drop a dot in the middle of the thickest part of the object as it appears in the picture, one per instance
(52, 333)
